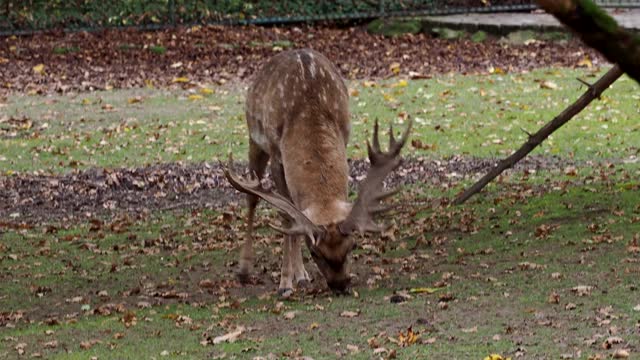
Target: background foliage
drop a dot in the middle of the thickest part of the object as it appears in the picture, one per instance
(43, 14)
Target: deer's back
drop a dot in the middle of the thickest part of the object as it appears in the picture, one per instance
(299, 91)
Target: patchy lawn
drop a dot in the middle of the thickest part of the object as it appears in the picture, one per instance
(479, 116)
(543, 264)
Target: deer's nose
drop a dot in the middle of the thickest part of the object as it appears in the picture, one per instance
(340, 287)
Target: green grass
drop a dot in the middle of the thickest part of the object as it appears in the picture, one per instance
(499, 302)
(481, 116)
(495, 260)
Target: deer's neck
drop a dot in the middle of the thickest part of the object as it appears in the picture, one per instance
(316, 170)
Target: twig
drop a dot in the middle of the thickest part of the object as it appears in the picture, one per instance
(536, 139)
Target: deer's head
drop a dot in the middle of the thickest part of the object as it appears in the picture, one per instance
(330, 244)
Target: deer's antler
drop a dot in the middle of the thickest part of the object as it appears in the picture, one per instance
(301, 224)
(371, 190)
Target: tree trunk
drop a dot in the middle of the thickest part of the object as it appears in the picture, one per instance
(600, 31)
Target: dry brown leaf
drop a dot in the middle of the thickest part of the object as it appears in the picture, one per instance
(229, 337)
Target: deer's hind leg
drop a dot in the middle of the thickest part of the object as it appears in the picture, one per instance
(258, 160)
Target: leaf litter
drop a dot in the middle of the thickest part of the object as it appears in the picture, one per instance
(202, 54)
(82, 194)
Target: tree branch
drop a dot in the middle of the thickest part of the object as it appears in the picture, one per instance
(600, 31)
(593, 92)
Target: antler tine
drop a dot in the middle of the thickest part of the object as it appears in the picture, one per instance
(376, 137)
(396, 146)
(404, 137)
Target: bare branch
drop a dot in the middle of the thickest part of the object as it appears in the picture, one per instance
(536, 139)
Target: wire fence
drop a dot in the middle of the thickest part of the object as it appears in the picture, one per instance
(23, 16)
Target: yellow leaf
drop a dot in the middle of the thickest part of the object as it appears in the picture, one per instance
(422, 290)
(401, 83)
(38, 69)
(496, 357)
(149, 83)
(3, 60)
(388, 97)
(195, 97)
(367, 83)
(409, 338)
(86, 101)
(354, 92)
(206, 91)
(395, 68)
(585, 62)
(134, 100)
(181, 80)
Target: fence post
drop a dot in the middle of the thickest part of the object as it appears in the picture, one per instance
(172, 12)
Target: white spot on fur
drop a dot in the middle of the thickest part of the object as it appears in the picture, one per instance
(299, 59)
(312, 69)
(281, 88)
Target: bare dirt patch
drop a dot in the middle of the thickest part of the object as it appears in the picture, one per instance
(27, 198)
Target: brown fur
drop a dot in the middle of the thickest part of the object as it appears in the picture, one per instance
(298, 117)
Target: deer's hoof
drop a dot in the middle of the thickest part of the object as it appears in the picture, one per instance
(285, 293)
(303, 284)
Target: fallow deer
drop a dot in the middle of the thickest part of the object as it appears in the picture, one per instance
(297, 112)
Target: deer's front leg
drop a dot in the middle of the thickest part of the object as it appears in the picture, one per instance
(300, 275)
(286, 273)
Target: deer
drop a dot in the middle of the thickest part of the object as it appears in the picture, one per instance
(297, 113)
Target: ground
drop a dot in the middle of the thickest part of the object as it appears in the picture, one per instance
(119, 234)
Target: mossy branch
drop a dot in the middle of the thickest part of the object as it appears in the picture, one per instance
(600, 31)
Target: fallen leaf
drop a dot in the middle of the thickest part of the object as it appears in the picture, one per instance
(582, 290)
(408, 338)
(496, 357)
(353, 348)
(38, 69)
(180, 80)
(423, 290)
(350, 314)
(289, 315)
(229, 337)
(621, 354)
(470, 330)
(395, 68)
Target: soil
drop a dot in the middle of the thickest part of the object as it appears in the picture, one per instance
(30, 199)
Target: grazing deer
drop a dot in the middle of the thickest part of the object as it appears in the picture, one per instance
(298, 117)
